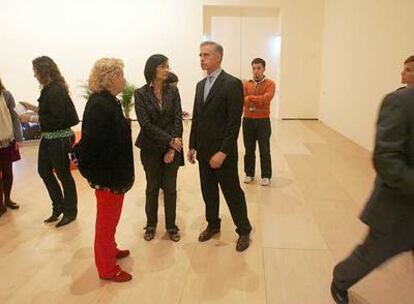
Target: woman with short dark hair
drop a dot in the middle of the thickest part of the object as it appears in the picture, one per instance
(158, 109)
(10, 134)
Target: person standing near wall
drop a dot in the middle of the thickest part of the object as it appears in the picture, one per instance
(258, 93)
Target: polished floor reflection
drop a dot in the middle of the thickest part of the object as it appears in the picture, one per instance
(303, 223)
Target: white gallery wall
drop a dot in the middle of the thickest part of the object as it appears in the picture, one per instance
(337, 57)
(75, 33)
(365, 43)
(300, 58)
(247, 33)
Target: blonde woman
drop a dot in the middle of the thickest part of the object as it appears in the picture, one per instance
(105, 159)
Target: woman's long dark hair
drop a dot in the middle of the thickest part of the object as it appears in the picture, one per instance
(2, 88)
(48, 72)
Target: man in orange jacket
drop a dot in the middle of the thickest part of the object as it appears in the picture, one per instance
(258, 93)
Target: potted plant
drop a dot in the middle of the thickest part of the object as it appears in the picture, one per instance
(127, 99)
(85, 90)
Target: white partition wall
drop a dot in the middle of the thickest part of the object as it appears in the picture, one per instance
(365, 44)
(301, 27)
(246, 33)
(225, 28)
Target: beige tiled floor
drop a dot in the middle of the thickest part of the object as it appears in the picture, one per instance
(304, 223)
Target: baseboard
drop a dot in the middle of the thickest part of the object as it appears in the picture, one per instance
(300, 119)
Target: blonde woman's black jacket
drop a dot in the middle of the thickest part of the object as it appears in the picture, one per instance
(105, 149)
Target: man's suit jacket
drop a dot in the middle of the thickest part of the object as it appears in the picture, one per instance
(392, 199)
(216, 121)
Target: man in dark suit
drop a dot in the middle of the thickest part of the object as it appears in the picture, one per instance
(389, 212)
(217, 112)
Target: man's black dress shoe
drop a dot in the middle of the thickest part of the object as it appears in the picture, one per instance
(340, 296)
(208, 234)
(243, 243)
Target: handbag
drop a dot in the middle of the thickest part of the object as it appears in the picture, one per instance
(15, 153)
